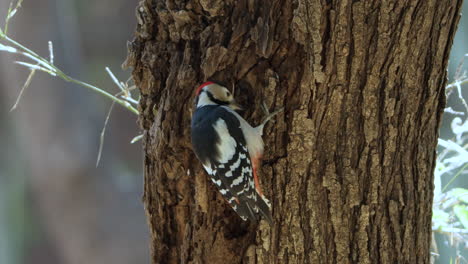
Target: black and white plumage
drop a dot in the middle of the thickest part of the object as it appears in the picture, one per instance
(230, 150)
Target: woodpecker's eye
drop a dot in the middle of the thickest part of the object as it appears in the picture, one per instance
(228, 93)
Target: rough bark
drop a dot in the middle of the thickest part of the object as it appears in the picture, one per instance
(348, 165)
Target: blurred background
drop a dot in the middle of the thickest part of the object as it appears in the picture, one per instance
(56, 206)
(450, 207)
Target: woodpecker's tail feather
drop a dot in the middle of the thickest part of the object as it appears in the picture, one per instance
(254, 209)
(264, 209)
(248, 211)
(249, 205)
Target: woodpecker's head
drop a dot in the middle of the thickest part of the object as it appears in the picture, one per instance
(211, 93)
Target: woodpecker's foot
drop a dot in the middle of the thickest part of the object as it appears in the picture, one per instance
(268, 114)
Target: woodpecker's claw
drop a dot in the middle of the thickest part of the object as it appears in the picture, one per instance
(268, 114)
(265, 109)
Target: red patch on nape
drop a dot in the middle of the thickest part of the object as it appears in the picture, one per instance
(197, 92)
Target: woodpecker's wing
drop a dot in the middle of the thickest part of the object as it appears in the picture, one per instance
(242, 209)
(234, 169)
(220, 144)
(238, 187)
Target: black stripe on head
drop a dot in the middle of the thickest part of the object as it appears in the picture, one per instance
(214, 100)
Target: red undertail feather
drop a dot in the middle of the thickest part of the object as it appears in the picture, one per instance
(255, 162)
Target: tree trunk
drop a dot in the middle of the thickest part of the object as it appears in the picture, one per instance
(348, 164)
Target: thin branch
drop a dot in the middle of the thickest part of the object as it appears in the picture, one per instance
(121, 87)
(35, 67)
(137, 138)
(454, 177)
(51, 69)
(51, 53)
(101, 139)
(11, 13)
(26, 84)
(130, 100)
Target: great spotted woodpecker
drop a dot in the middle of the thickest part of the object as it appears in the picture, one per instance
(230, 150)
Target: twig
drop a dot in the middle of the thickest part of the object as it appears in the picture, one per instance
(137, 138)
(454, 177)
(115, 79)
(26, 84)
(46, 66)
(51, 52)
(101, 139)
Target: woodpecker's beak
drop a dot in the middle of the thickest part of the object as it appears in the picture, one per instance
(235, 106)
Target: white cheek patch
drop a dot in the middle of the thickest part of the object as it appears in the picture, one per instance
(227, 144)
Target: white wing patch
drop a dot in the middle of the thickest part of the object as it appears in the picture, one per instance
(238, 180)
(208, 169)
(227, 145)
(217, 182)
(253, 135)
(236, 164)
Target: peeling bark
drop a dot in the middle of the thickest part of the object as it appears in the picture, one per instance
(348, 164)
